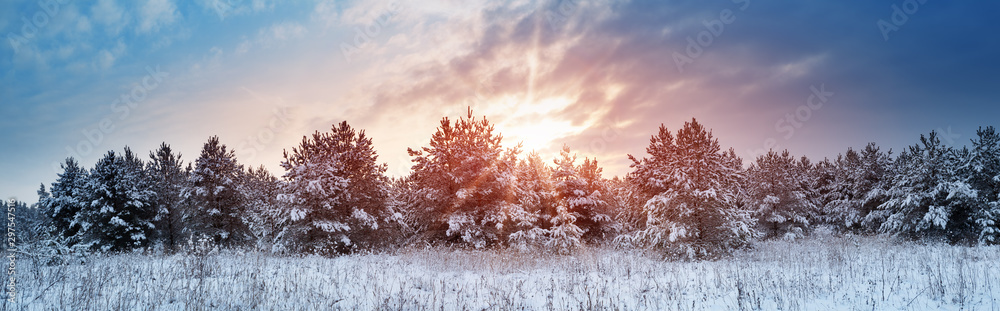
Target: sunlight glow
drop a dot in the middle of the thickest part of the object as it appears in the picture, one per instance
(538, 126)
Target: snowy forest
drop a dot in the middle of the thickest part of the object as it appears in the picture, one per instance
(687, 198)
(479, 225)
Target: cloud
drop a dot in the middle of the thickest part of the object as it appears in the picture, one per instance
(110, 15)
(326, 12)
(608, 64)
(228, 8)
(273, 35)
(106, 57)
(155, 14)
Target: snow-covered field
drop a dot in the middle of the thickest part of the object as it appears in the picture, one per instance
(830, 273)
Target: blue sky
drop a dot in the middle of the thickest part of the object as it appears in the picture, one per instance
(81, 78)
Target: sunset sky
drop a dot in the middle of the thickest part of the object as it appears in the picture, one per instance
(82, 78)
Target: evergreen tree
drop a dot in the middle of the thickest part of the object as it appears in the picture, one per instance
(67, 198)
(983, 171)
(30, 222)
(120, 213)
(579, 189)
(215, 202)
(571, 196)
(537, 202)
(465, 189)
(337, 191)
(166, 171)
(779, 190)
(692, 188)
(596, 220)
(849, 192)
(537, 196)
(926, 197)
(625, 202)
(265, 215)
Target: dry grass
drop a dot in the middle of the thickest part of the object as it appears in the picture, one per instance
(814, 274)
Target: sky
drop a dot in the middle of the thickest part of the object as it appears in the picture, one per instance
(79, 78)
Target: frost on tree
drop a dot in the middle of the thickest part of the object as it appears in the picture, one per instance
(780, 194)
(691, 188)
(167, 174)
(214, 197)
(336, 191)
(571, 198)
(926, 197)
(120, 212)
(578, 191)
(983, 171)
(626, 204)
(537, 201)
(66, 199)
(465, 184)
(264, 214)
(847, 188)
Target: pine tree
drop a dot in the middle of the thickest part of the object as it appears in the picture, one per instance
(851, 188)
(213, 197)
(692, 188)
(266, 216)
(67, 198)
(926, 197)
(166, 171)
(30, 225)
(625, 202)
(579, 189)
(983, 171)
(337, 192)
(780, 192)
(464, 185)
(537, 202)
(43, 228)
(596, 215)
(120, 213)
(571, 196)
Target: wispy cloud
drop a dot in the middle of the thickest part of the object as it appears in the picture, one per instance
(155, 14)
(599, 76)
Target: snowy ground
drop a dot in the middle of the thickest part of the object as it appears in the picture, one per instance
(815, 274)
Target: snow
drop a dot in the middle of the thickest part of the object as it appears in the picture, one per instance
(825, 273)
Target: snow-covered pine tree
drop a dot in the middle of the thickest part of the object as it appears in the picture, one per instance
(67, 198)
(536, 198)
(337, 192)
(580, 188)
(625, 203)
(43, 229)
(926, 198)
(571, 196)
(464, 187)
(119, 216)
(264, 214)
(216, 205)
(983, 171)
(692, 187)
(851, 188)
(596, 221)
(31, 224)
(779, 191)
(166, 172)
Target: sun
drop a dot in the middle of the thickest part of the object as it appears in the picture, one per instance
(537, 126)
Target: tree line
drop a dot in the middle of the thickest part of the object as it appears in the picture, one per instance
(686, 197)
